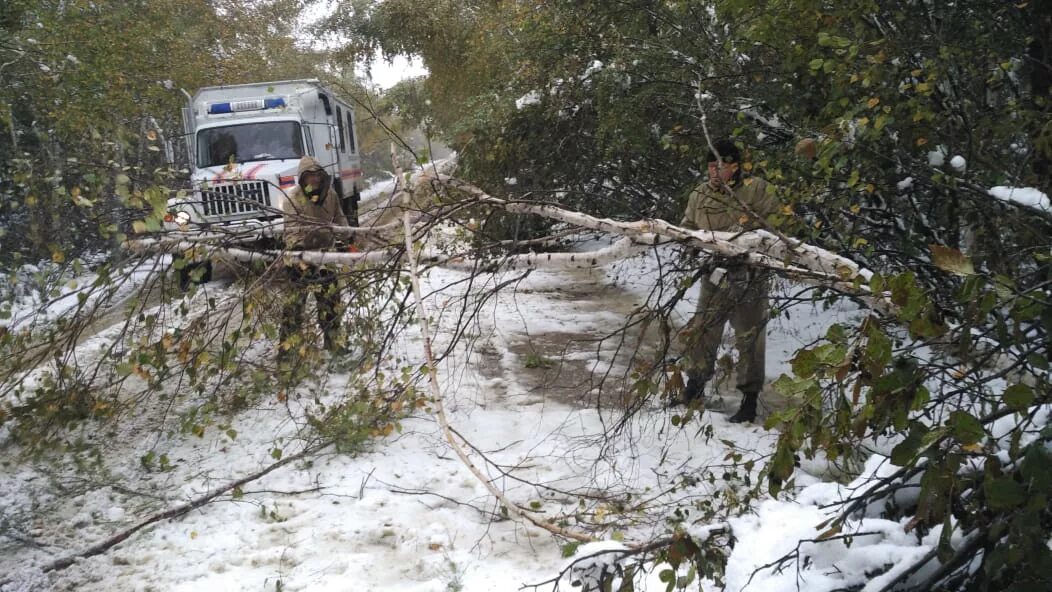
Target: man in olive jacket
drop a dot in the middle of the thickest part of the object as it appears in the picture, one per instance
(310, 209)
(732, 291)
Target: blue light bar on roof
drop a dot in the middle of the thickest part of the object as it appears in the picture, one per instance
(250, 105)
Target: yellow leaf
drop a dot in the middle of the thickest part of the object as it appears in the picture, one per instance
(922, 141)
(58, 257)
(915, 72)
(923, 87)
(193, 534)
(832, 532)
(951, 260)
(863, 121)
(747, 166)
(870, 188)
(787, 210)
(873, 102)
(151, 135)
(974, 448)
(856, 209)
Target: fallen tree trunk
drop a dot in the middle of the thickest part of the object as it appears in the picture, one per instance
(791, 258)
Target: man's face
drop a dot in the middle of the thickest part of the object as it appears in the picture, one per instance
(311, 180)
(311, 184)
(722, 172)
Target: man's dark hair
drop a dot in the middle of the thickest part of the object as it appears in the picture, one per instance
(727, 150)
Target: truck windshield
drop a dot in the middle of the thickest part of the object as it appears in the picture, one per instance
(246, 142)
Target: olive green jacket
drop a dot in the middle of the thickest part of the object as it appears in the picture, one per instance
(304, 217)
(713, 209)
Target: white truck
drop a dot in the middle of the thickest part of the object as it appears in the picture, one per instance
(245, 142)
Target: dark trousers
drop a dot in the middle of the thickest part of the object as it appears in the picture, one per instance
(323, 285)
(741, 298)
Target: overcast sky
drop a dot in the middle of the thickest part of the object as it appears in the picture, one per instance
(382, 73)
(385, 75)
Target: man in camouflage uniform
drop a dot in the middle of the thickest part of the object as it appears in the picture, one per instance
(731, 291)
(310, 209)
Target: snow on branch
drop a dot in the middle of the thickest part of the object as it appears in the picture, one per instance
(1027, 197)
(786, 256)
(759, 248)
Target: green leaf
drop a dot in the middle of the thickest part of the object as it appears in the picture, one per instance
(805, 363)
(276, 454)
(569, 549)
(906, 450)
(1037, 468)
(966, 428)
(951, 260)
(1038, 361)
(782, 464)
(1004, 493)
(1019, 397)
(836, 334)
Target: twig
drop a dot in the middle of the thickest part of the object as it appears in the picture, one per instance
(486, 513)
(106, 545)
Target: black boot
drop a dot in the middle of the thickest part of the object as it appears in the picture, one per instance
(747, 411)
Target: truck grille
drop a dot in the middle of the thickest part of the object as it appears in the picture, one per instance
(234, 198)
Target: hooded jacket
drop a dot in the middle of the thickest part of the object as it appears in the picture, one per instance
(305, 213)
(712, 209)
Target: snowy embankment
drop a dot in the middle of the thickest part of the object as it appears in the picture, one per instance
(406, 515)
(530, 384)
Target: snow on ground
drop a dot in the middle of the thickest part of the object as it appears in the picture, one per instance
(405, 514)
(41, 294)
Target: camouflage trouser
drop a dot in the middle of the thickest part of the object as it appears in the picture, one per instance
(740, 297)
(323, 284)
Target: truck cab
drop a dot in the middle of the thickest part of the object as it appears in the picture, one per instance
(245, 142)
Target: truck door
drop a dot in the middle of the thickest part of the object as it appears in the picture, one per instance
(347, 169)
